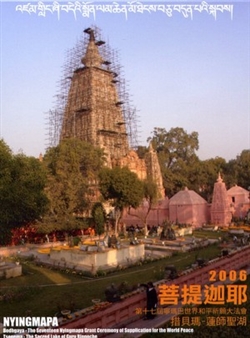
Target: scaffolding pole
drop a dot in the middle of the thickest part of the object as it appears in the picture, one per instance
(54, 118)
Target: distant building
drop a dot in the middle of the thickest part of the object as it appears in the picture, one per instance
(239, 201)
(187, 207)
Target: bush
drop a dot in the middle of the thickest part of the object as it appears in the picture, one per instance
(76, 240)
(101, 273)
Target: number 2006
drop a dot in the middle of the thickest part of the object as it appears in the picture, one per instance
(232, 275)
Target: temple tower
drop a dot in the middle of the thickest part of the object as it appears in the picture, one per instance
(93, 111)
(154, 170)
(220, 208)
(97, 111)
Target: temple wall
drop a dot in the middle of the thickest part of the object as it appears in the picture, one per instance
(200, 215)
(157, 215)
(195, 215)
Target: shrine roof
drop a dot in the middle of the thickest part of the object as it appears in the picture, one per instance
(236, 190)
(187, 197)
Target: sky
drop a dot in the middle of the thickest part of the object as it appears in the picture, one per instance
(189, 72)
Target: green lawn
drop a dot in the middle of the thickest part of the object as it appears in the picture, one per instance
(210, 234)
(39, 291)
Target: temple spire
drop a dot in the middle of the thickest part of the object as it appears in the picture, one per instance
(219, 179)
(151, 149)
(92, 56)
(220, 208)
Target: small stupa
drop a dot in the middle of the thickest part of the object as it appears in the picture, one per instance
(220, 208)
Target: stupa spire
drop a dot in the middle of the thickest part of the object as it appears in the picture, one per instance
(219, 179)
(92, 57)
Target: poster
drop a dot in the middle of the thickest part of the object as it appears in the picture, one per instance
(186, 62)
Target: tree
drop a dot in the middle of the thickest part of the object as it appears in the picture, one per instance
(175, 144)
(176, 152)
(142, 151)
(22, 197)
(122, 188)
(5, 181)
(150, 193)
(208, 174)
(28, 182)
(241, 168)
(235, 171)
(72, 169)
(99, 216)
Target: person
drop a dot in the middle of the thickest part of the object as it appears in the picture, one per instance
(112, 294)
(152, 300)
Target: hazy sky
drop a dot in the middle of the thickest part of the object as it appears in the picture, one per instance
(192, 73)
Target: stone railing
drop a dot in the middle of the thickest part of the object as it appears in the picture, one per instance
(114, 314)
(238, 259)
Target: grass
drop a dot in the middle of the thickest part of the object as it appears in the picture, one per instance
(41, 291)
(209, 234)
